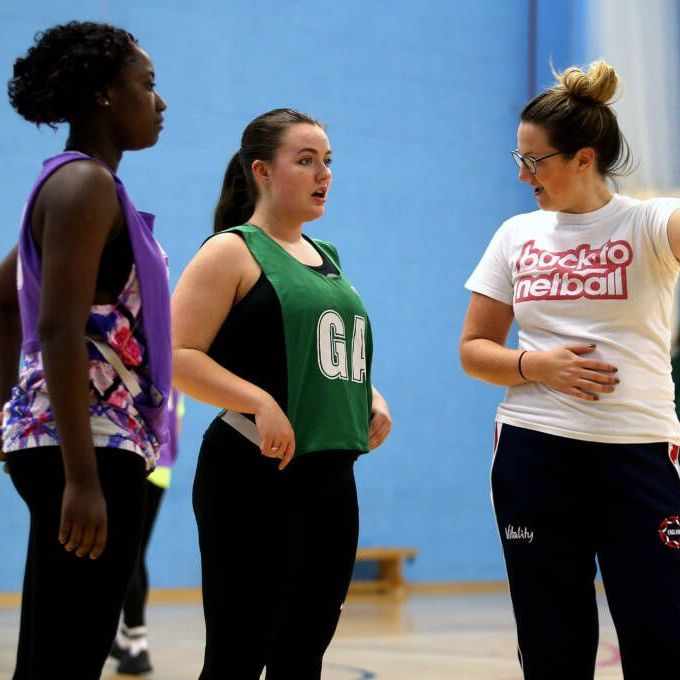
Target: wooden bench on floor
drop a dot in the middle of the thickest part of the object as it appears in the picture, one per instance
(390, 577)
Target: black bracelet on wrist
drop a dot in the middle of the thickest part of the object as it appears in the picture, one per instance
(519, 364)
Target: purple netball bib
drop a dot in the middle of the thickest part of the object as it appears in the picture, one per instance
(153, 283)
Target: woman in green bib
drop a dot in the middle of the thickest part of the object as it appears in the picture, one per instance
(267, 328)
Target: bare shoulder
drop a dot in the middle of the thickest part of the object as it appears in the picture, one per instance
(220, 260)
(227, 252)
(226, 243)
(81, 181)
(77, 203)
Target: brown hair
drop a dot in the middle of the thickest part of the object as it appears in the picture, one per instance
(576, 113)
(260, 140)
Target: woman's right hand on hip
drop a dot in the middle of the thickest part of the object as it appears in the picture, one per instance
(276, 432)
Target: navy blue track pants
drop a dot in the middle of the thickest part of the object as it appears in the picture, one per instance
(561, 504)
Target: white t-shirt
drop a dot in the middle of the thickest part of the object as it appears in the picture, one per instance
(604, 277)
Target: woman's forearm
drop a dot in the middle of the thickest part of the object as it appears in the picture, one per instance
(493, 363)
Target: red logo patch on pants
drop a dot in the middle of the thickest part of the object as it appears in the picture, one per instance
(669, 531)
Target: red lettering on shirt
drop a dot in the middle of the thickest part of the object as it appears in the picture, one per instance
(584, 272)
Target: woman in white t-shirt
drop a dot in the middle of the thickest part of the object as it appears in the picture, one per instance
(586, 460)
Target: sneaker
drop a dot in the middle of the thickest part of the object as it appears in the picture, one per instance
(117, 652)
(136, 664)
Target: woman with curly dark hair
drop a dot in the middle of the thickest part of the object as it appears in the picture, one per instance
(84, 418)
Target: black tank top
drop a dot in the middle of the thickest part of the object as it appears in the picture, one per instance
(115, 264)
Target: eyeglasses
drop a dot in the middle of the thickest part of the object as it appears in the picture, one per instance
(531, 164)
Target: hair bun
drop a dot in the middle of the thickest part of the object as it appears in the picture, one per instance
(597, 85)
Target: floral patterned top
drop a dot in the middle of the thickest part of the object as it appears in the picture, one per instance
(28, 421)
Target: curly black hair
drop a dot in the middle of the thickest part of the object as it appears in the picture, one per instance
(66, 67)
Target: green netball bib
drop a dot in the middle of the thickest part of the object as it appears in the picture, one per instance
(328, 347)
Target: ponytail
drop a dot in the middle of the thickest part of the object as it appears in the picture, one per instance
(235, 204)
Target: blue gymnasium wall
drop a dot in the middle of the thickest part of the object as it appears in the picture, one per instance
(421, 100)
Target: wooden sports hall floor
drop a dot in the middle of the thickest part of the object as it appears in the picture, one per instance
(423, 637)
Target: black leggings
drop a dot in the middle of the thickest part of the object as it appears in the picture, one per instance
(277, 552)
(70, 606)
(134, 607)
